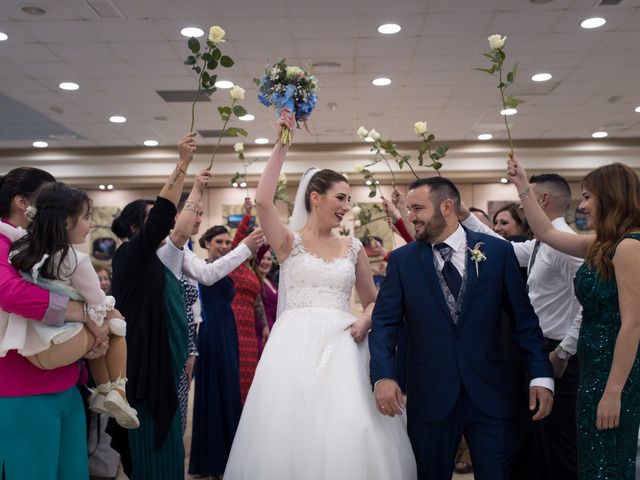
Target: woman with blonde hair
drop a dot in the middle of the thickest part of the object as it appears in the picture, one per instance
(607, 285)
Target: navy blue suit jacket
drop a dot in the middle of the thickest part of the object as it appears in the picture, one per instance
(441, 355)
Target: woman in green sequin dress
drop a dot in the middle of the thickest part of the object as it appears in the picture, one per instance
(608, 287)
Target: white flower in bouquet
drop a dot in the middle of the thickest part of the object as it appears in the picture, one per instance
(362, 132)
(282, 180)
(373, 134)
(294, 72)
(420, 128)
(496, 41)
(239, 147)
(216, 34)
(237, 93)
(356, 211)
(358, 168)
(357, 223)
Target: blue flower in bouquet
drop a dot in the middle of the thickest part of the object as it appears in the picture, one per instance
(291, 87)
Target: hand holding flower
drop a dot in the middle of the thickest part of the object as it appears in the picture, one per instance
(517, 174)
(286, 121)
(186, 148)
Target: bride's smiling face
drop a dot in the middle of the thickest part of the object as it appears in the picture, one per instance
(330, 207)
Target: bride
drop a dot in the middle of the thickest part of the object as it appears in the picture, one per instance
(310, 413)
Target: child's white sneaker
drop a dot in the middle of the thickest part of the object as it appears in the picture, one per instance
(118, 408)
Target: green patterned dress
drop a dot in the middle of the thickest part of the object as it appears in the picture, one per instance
(603, 454)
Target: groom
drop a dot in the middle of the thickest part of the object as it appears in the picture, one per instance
(450, 288)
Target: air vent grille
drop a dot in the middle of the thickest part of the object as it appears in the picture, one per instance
(213, 134)
(609, 3)
(105, 9)
(172, 96)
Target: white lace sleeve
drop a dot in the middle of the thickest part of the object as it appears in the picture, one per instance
(354, 249)
(85, 280)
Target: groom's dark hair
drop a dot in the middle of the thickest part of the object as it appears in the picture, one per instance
(440, 189)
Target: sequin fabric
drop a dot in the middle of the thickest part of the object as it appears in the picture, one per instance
(603, 454)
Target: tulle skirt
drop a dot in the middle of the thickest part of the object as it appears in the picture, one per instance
(310, 413)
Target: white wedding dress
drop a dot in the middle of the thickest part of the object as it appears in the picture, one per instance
(310, 413)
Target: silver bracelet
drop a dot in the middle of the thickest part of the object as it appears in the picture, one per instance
(524, 194)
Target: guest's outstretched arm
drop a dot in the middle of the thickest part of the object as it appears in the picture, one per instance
(172, 188)
(278, 235)
(543, 229)
(191, 210)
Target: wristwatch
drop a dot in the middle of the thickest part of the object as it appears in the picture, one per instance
(562, 353)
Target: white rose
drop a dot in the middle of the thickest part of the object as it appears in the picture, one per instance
(373, 134)
(496, 41)
(216, 34)
(420, 128)
(356, 211)
(237, 93)
(239, 147)
(358, 168)
(294, 72)
(362, 132)
(357, 223)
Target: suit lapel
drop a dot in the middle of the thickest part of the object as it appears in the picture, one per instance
(425, 253)
(472, 276)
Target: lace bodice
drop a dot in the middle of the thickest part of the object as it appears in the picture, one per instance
(311, 281)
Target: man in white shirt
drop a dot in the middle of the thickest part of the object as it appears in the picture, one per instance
(550, 288)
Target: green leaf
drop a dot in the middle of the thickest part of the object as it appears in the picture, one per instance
(434, 156)
(490, 71)
(511, 102)
(239, 111)
(235, 132)
(436, 165)
(421, 159)
(216, 54)
(212, 64)
(191, 60)
(514, 71)
(225, 113)
(500, 54)
(441, 151)
(502, 85)
(422, 149)
(226, 62)
(207, 92)
(206, 56)
(256, 81)
(372, 193)
(197, 69)
(431, 138)
(205, 78)
(488, 55)
(193, 44)
(510, 77)
(241, 156)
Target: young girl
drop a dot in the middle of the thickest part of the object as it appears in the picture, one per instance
(61, 217)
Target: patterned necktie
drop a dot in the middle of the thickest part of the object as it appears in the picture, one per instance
(449, 272)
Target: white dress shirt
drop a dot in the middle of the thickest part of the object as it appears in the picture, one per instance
(550, 283)
(210, 273)
(458, 241)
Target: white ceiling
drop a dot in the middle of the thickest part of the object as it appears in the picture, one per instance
(120, 63)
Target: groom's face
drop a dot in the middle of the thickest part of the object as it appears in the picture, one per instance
(426, 217)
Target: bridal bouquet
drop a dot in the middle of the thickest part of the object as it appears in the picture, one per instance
(290, 87)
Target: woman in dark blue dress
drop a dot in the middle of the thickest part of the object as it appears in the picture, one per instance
(217, 402)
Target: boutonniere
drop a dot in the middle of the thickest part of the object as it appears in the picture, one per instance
(477, 255)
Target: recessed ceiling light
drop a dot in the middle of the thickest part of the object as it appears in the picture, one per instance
(3, 37)
(33, 10)
(109, 187)
(247, 118)
(504, 180)
(541, 77)
(508, 111)
(234, 184)
(40, 144)
(369, 139)
(594, 22)
(117, 119)
(368, 182)
(150, 143)
(224, 84)
(243, 184)
(381, 82)
(69, 86)
(101, 187)
(261, 141)
(192, 32)
(638, 109)
(389, 28)
(485, 136)
(599, 134)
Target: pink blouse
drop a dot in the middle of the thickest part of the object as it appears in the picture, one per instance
(18, 377)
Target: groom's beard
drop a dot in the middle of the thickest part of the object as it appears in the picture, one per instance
(432, 228)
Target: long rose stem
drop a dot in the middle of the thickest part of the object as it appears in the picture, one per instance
(195, 99)
(220, 137)
(504, 107)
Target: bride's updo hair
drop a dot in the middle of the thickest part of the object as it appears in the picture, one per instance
(212, 232)
(321, 183)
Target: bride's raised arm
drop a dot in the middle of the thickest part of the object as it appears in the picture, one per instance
(543, 229)
(278, 235)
